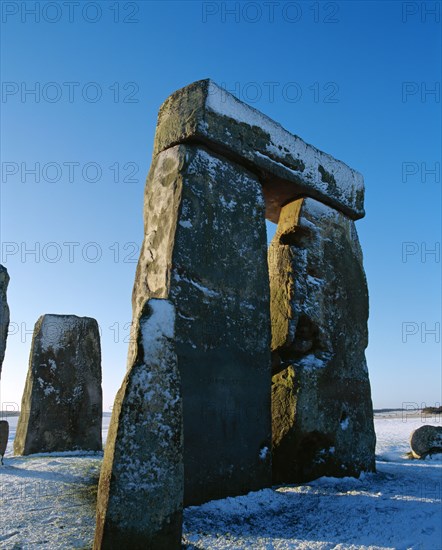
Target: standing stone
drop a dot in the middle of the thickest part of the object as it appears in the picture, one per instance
(61, 408)
(4, 435)
(4, 313)
(321, 404)
(205, 250)
(140, 492)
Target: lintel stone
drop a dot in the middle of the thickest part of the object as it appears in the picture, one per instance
(288, 167)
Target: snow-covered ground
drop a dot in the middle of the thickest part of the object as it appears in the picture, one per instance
(47, 501)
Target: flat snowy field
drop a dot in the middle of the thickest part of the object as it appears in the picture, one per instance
(47, 501)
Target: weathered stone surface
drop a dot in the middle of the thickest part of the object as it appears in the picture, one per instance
(205, 250)
(426, 440)
(4, 313)
(61, 409)
(140, 492)
(4, 434)
(288, 167)
(321, 402)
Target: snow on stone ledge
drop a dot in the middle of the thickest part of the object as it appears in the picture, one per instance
(54, 328)
(159, 325)
(224, 103)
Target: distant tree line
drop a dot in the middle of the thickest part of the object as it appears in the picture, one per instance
(432, 410)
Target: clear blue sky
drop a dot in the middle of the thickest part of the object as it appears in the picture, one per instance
(352, 78)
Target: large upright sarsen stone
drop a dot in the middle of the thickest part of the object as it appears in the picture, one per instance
(140, 492)
(4, 313)
(321, 401)
(61, 409)
(205, 251)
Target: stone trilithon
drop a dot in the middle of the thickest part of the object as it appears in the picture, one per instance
(219, 169)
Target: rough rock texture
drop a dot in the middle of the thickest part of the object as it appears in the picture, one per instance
(4, 434)
(4, 313)
(205, 250)
(287, 166)
(140, 492)
(321, 403)
(426, 440)
(61, 409)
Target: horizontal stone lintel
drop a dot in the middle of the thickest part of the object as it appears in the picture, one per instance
(288, 167)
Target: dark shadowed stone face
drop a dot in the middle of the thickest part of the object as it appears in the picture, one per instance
(62, 402)
(4, 434)
(4, 313)
(321, 399)
(219, 283)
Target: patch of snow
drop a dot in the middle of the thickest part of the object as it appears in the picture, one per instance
(187, 224)
(273, 161)
(213, 165)
(263, 453)
(77, 393)
(206, 291)
(46, 387)
(345, 423)
(319, 209)
(54, 329)
(52, 365)
(283, 142)
(160, 324)
(185, 317)
(48, 390)
(310, 362)
(341, 481)
(229, 205)
(314, 280)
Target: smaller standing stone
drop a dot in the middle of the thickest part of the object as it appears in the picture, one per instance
(4, 434)
(140, 492)
(61, 408)
(426, 440)
(4, 313)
